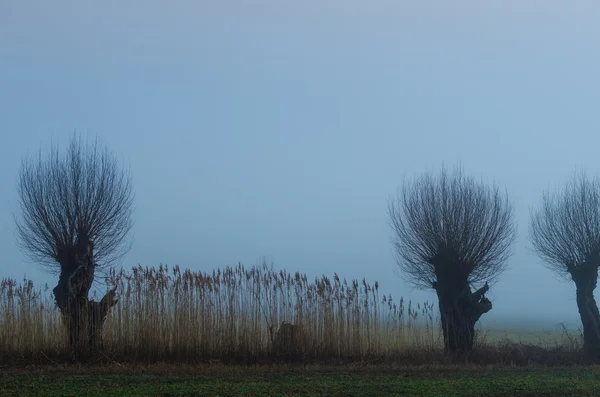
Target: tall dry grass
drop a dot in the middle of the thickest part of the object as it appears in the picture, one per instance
(231, 314)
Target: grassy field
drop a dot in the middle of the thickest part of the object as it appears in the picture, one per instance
(302, 381)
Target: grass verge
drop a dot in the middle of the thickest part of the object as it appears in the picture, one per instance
(302, 381)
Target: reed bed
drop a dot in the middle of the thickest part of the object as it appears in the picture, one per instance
(231, 314)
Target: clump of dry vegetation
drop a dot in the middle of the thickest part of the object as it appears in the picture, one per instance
(235, 315)
(231, 315)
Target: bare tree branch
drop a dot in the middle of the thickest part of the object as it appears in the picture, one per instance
(82, 195)
(451, 223)
(565, 231)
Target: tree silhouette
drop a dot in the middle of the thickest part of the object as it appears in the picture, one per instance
(449, 233)
(75, 216)
(565, 232)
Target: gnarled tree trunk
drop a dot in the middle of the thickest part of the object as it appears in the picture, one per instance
(460, 309)
(97, 312)
(83, 318)
(585, 283)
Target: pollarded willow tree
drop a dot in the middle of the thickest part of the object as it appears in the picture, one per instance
(75, 218)
(449, 234)
(565, 233)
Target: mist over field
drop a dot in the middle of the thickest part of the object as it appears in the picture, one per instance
(282, 129)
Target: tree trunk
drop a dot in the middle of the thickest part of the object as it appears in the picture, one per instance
(585, 283)
(460, 309)
(97, 312)
(83, 318)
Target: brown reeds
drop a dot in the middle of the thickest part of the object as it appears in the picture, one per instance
(232, 314)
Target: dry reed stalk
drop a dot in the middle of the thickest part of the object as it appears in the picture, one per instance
(229, 314)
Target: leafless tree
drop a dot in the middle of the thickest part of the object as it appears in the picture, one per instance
(565, 233)
(450, 233)
(75, 218)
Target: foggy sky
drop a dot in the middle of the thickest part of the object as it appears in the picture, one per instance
(281, 129)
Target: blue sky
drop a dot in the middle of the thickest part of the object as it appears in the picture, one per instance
(281, 129)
